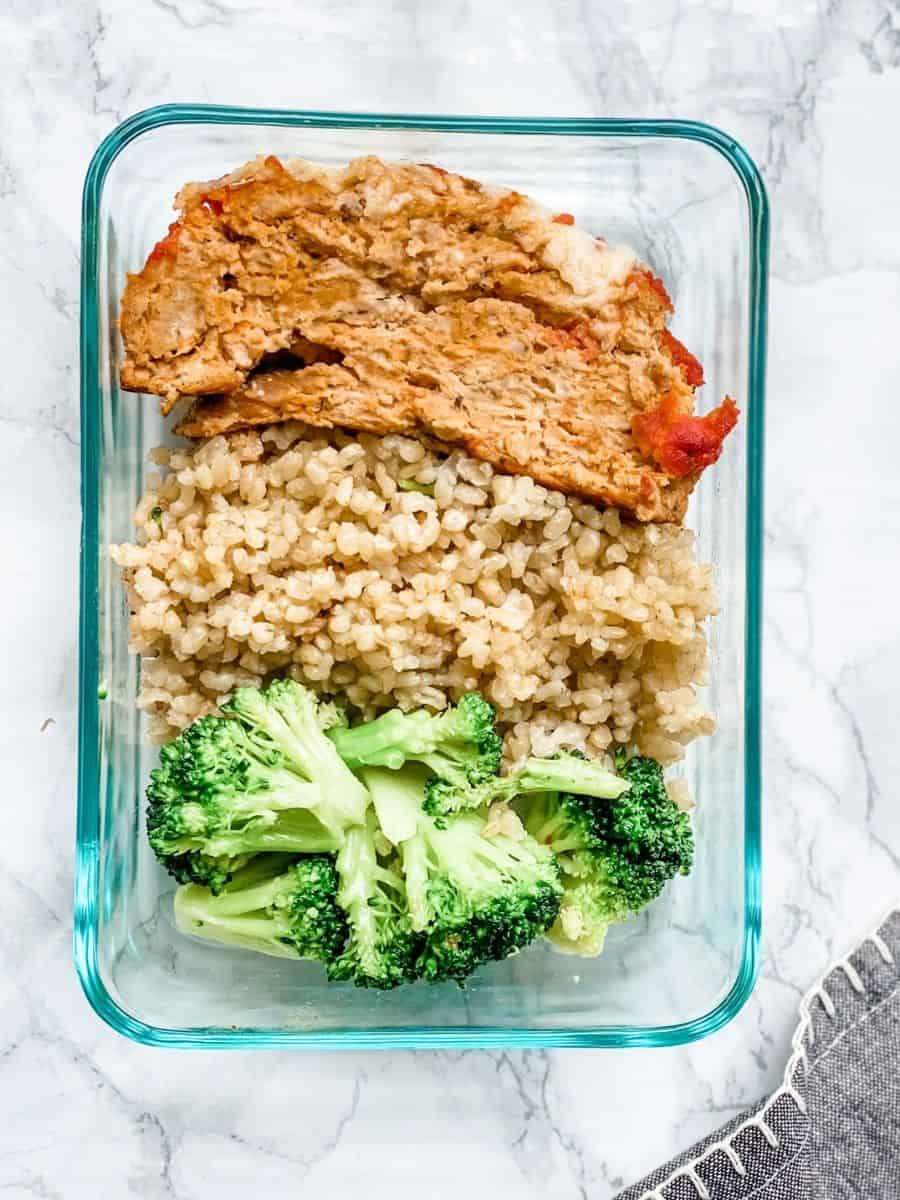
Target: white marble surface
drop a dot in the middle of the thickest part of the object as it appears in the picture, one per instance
(813, 91)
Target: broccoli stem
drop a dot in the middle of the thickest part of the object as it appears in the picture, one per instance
(416, 869)
(292, 833)
(283, 791)
(362, 896)
(356, 864)
(193, 916)
(385, 742)
(277, 904)
(261, 868)
(244, 901)
(579, 776)
(397, 798)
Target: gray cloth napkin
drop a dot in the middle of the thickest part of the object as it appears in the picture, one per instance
(832, 1130)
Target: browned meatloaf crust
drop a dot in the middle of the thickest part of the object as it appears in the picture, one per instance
(402, 298)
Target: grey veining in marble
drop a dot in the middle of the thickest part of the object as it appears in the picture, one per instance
(812, 89)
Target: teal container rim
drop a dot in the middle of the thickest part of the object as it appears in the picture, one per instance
(87, 873)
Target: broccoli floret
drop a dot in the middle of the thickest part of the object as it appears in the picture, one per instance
(563, 772)
(616, 854)
(460, 745)
(569, 825)
(500, 901)
(262, 777)
(275, 906)
(285, 719)
(474, 898)
(650, 839)
(383, 947)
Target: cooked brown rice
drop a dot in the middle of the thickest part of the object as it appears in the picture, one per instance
(294, 550)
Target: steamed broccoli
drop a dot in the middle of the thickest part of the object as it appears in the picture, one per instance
(382, 947)
(262, 777)
(460, 744)
(570, 825)
(563, 772)
(652, 837)
(616, 855)
(474, 898)
(276, 905)
(424, 864)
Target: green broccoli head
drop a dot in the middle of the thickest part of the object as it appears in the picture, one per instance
(286, 721)
(486, 926)
(262, 777)
(189, 796)
(616, 854)
(318, 927)
(562, 772)
(472, 722)
(471, 898)
(460, 745)
(382, 947)
(274, 906)
(477, 899)
(649, 838)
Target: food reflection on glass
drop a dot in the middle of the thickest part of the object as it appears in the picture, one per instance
(420, 622)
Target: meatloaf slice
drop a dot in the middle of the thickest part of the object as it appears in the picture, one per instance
(404, 298)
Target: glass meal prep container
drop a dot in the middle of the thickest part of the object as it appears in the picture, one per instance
(692, 204)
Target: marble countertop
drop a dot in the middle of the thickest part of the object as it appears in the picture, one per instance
(813, 91)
